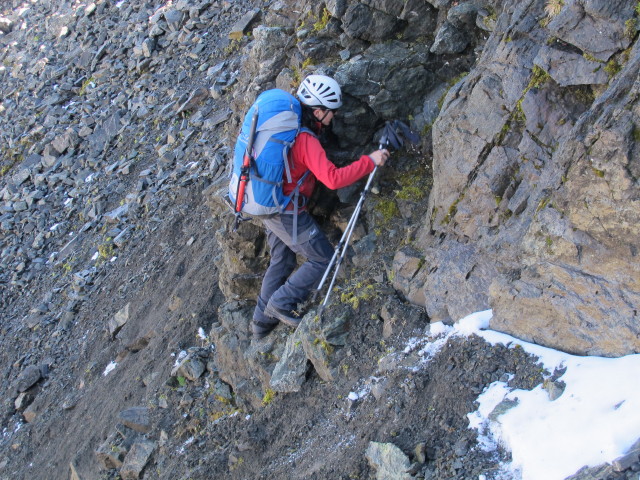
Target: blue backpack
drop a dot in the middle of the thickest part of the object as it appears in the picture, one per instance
(260, 163)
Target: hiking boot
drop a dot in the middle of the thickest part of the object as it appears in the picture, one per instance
(289, 317)
(261, 329)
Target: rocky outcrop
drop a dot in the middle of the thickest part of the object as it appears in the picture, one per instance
(535, 196)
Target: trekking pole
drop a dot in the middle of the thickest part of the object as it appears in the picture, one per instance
(344, 239)
(344, 244)
(392, 134)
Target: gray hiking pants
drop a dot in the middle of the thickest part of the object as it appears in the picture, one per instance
(284, 287)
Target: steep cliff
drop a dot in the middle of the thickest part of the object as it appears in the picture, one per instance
(535, 187)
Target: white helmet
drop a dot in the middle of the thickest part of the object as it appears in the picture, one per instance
(320, 91)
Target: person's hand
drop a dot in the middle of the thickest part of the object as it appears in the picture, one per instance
(379, 157)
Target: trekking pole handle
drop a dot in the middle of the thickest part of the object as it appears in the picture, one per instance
(252, 137)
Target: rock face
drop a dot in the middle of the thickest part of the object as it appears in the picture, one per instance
(534, 208)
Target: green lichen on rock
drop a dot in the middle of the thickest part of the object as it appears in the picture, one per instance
(538, 78)
(453, 209)
(360, 292)
(388, 208)
(414, 186)
(612, 67)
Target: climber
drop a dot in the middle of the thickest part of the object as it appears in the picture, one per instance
(282, 288)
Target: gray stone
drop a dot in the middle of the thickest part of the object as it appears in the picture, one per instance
(195, 99)
(148, 46)
(119, 320)
(591, 260)
(174, 19)
(379, 78)
(20, 206)
(191, 367)
(389, 462)
(431, 107)
(122, 237)
(136, 418)
(217, 117)
(485, 21)
(421, 19)
(118, 214)
(242, 25)
(268, 53)
(461, 447)
(222, 390)
(554, 389)
(518, 139)
(336, 330)
(468, 276)
(568, 68)
(111, 453)
(503, 407)
(137, 459)
(337, 8)
(592, 473)
(71, 401)
(450, 39)
(440, 3)
(23, 400)
(6, 25)
(34, 409)
(289, 373)
(392, 7)
(379, 390)
(317, 347)
(363, 250)
(463, 15)
(28, 378)
(68, 140)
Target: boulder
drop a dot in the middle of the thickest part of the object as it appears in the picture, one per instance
(137, 459)
(389, 462)
(136, 418)
(28, 378)
(450, 39)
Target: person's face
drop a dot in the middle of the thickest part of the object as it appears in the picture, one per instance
(324, 116)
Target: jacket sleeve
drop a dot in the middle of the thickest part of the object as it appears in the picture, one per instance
(315, 158)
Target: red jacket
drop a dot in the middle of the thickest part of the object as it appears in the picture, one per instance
(308, 154)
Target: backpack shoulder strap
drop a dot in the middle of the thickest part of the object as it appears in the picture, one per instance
(309, 131)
